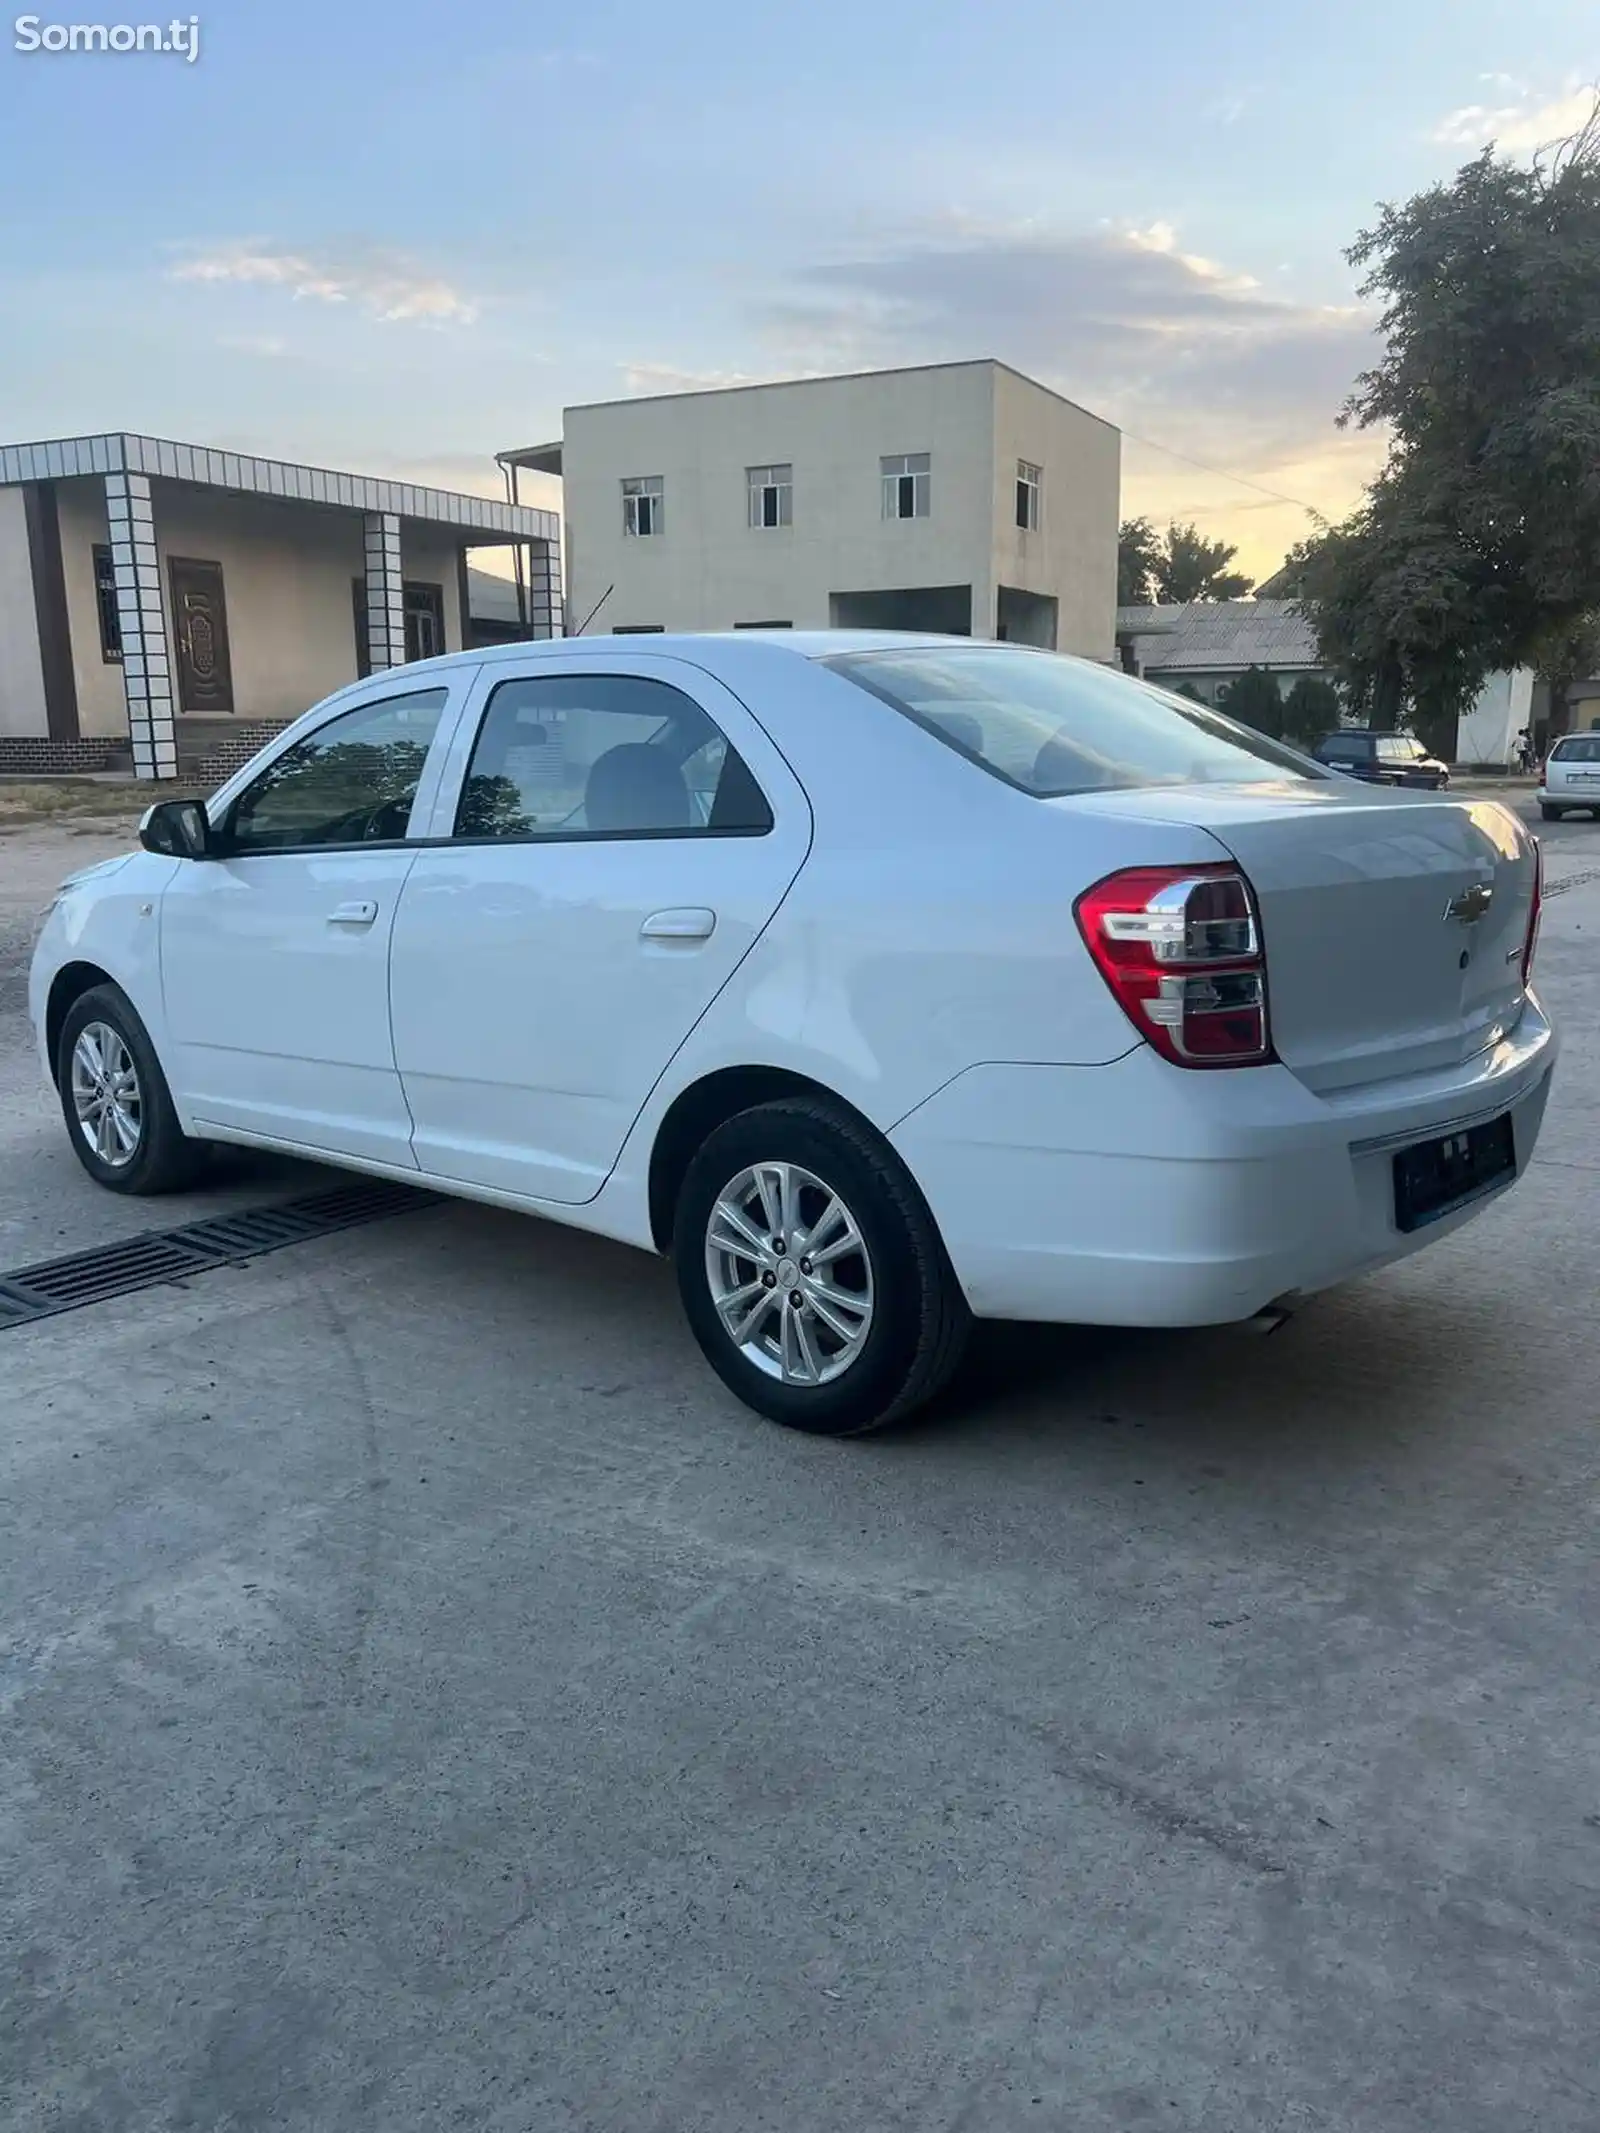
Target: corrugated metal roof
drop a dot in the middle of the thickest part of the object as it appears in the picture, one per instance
(1207, 635)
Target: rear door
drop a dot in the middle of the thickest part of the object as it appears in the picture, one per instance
(612, 836)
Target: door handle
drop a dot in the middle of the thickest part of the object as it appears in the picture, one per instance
(684, 925)
(356, 914)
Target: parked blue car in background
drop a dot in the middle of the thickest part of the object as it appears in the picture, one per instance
(1383, 759)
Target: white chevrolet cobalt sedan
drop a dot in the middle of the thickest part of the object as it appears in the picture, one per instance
(883, 982)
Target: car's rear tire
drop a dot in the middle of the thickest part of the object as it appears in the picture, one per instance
(115, 1099)
(1551, 814)
(881, 1322)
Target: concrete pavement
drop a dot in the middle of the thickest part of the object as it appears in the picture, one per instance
(427, 1700)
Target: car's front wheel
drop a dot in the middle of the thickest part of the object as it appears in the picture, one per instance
(116, 1102)
(811, 1271)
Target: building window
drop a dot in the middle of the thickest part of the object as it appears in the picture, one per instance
(1029, 479)
(771, 494)
(424, 613)
(641, 505)
(905, 485)
(105, 600)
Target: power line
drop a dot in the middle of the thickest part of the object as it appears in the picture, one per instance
(1223, 474)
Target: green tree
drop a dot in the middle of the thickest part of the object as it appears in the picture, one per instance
(1479, 543)
(1310, 710)
(1178, 565)
(1138, 560)
(1567, 653)
(1193, 568)
(1254, 701)
(1288, 581)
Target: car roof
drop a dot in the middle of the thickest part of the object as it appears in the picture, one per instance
(1367, 733)
(711, 646)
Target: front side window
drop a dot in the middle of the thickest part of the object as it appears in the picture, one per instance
(353, 781)
(906, 478)
(641, 505)
(604, 755)
(770, 495)
(105, 600)
(1053, 726)
(1029, 480)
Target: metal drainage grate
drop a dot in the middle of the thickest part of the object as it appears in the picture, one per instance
(109, 1270)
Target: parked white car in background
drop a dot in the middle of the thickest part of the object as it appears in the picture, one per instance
(1571, 777)
(881, 981)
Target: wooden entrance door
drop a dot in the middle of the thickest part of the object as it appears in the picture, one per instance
(200, 624)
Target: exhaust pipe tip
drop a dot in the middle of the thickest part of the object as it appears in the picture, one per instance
(1273, 1315)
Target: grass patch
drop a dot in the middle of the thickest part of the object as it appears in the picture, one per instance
(26, 802)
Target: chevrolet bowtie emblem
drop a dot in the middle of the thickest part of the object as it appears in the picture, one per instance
(1471, 904)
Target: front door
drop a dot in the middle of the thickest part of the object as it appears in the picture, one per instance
(275, 954)
(200, 624)
(617, 848)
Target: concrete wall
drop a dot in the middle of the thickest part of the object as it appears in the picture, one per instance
(22, 706)
(1072, 557)
(709, 569)
(1503, 707)
(428, 554)
(286, 572)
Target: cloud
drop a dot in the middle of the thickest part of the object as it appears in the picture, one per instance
(386, 286)
(648, 378)
(1530, 121)
(256, 344)
(1124, 318)
(1172, 345)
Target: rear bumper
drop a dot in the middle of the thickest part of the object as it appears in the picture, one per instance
(1568, 796)
(1137, 1194)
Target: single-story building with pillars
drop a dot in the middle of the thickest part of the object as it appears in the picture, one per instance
(165, 607)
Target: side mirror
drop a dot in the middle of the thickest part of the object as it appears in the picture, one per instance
(177, 829)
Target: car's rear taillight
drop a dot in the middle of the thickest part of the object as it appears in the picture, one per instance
(1535, 910)
(1181, 949)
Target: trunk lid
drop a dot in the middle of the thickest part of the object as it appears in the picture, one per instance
(1384, 955)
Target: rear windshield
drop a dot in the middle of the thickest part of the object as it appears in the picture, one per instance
(1584, 748)
(1052, 725)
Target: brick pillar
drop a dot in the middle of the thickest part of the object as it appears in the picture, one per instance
(544, 589)
(146, 653)
(386, 612)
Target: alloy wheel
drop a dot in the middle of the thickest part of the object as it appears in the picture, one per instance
(106, 1098)
(789, 1273)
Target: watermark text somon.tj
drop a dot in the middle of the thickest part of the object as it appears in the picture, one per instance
(179, 37)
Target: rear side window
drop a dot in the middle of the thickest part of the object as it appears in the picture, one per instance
(1051, 726)
(1581, 748)
(604, 755)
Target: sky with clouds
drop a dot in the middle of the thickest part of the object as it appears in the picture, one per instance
(399, 237)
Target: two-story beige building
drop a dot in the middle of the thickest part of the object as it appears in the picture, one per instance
(958, 497)
(166, 606)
